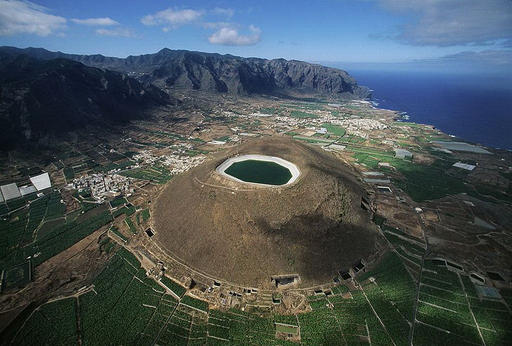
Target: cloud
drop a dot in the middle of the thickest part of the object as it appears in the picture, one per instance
(228, 12)
(230, 36)
(117, 32)
(485, 57)
(453, 22)
(172, 18)
(508, 43)
(106, 21)
(19, 17)
(216, 25)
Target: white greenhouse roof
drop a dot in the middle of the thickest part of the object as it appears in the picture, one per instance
(27, 189)
(465, 166)
(41, 181)
(10, 191)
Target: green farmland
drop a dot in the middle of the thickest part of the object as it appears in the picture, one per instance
(421, 182)
(133, 309)
(334, 129)
(45, 230)
(157, 174)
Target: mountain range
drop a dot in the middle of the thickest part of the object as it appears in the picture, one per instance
(46, 98)
(39, 88)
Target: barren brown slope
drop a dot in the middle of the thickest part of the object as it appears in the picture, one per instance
(244, 234)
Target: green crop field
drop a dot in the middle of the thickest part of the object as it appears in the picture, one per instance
(126, 210)
(17, 276)
(21, 228)
(20, 235)
(69, 173)
(145, 214)
(195, 303)
(421, 182)
(352, 139)
(334, 129)
(118, 202)
(270, 110)
(177, 289)
(133, 309)
(50, 324)
(155, 174)
(131, 225)
(118, 233)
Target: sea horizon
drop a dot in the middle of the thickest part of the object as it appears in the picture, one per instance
(471, 107)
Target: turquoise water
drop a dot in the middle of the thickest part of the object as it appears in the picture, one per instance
(262, 172)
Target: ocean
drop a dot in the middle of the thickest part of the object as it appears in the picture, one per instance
(475, 108)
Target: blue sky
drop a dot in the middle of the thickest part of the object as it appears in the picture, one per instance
(358, 31)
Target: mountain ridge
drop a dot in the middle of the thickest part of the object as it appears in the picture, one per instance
(42, 99)
(213, 72)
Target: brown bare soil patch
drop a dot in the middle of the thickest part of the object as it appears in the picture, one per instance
(242, 234)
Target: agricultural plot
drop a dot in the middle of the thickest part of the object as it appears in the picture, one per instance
(60, 238)
(12, 233)
(17, 276)
(131, 225)
(124, 164)
(506, 293)
(421, 182)
(270, 110)
(133, 309)
(3, 208)
(352, 139)
(20, 229)
(406, 247)
(356, 320)
(380, 155)
(144, 214)
(50, 324)
(122, 304)
(313, 139)
(126, 210)
(17, 203)
(119, 201)
(55, 207)
(239, 327)
(392, 293)
(157, 174)
(493, 318)
(174, 287)
(125, 305)
(427, 182)
(193, 152)
(443, 310)
(69, 173)
(369, 160)
(302, 115)
(37, 213)
(118, 234)
(195, 303)
(334, 129)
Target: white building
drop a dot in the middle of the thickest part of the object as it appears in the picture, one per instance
(402, 153)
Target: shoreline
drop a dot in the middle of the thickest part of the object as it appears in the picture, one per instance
(399, 118)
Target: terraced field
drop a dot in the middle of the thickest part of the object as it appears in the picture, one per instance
(385, 308)
(39, 230)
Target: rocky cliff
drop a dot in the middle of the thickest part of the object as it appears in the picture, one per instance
(179, 69)
(44, 98)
